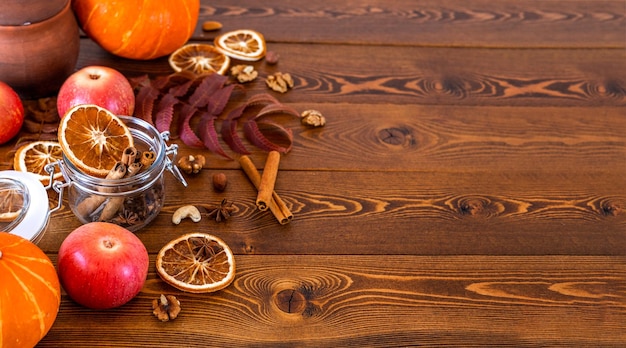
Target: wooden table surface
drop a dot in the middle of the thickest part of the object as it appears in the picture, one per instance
(468, 189)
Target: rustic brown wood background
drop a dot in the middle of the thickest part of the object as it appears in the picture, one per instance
(469, 188)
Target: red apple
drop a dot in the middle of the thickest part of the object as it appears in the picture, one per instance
(11, 113)
(100, 85)
(102, 265)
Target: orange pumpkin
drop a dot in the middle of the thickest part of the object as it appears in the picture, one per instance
(30, 293)
(138, 29)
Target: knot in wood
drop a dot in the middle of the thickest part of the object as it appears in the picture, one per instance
(479, 206)
(611, 208)
(291, 301)
(397, 136)
(472, 207)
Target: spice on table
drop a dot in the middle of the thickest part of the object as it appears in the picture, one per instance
(276, 205)
(268, 180)
(221, 212)
(166, 307)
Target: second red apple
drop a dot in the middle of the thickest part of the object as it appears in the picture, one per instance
(99, 85)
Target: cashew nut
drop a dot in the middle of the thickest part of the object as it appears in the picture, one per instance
(187, 211)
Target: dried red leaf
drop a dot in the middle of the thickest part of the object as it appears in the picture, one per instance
(219, 100)
(209, 85)
(277, 108)
(209, 136)
(256, 136)
(144, 102)
(165, 113)
(187, 135)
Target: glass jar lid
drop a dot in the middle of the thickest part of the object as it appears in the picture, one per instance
(24, 209)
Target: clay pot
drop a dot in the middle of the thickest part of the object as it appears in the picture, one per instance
(37, 57)
(22, 12)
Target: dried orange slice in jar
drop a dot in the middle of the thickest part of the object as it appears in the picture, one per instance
(242, 44)
(196, 262)
(34, 156)
(11, 203)
(93, 139)
(199, 59)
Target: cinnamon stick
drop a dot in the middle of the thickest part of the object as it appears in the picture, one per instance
(114, 204)
(129, 155)
(91, 203)
(268, 180)
(276, 205)
(147, 158)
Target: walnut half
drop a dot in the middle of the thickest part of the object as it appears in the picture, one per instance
(244, 73)
(191, 164)
(166, 307)
(313, 118)
(279, 82)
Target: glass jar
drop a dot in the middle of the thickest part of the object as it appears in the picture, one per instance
(24, 207)
(133, 202)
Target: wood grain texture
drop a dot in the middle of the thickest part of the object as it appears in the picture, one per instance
(398, 213)
(391, 301)
(432, 23)
(468, 189)
(418, 75)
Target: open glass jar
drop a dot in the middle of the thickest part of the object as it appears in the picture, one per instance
(24, 207)
(135, 201)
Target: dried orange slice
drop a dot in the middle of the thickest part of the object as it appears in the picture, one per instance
(196, 262)
(11, 203)
(199, 59)
(33, 157)
(93, 139)
(242, 44)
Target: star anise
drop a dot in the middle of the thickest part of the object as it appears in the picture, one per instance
(127, 218)
(222, 211)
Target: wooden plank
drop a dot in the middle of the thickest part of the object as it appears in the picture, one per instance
(434, 23)
(356, 301)
(427, 76)
(404, 213)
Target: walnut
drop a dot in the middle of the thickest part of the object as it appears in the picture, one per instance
(313, 118)
(279, 82)
(244, 73)
(191, 164)
(166, 307)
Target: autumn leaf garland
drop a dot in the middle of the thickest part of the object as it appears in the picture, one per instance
(183, 96)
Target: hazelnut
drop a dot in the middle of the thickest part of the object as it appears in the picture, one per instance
(271, 57)
(219, 182)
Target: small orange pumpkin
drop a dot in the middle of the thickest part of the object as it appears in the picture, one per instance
(30, 293)
(138, 29)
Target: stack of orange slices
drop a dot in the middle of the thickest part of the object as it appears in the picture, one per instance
(93, 139)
